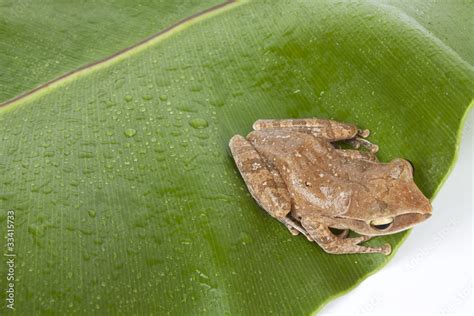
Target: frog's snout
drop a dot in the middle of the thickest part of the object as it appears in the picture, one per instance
(390, 225)
(426, 209)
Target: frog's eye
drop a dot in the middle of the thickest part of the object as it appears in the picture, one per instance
(381, 223)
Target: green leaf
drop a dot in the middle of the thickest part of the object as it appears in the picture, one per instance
(42, 40)
(126, 198)
(449, 22)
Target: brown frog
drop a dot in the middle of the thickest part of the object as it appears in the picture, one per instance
(294, 172)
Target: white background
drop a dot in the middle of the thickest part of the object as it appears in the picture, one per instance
(432, 272)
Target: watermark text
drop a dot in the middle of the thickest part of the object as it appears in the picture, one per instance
(10, 259)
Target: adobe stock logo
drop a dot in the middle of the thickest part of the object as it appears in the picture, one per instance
(10, 259)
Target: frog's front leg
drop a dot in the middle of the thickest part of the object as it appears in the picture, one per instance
(264, 183)
(335, 245)
(331, 130)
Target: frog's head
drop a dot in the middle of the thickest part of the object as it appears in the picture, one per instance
(391, 204)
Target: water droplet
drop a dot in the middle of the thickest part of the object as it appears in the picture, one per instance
(147, 97)
(186, 108)
(245, 239)
(196, 88)
(98, 241)
(119, 83)
(163, 97)
(198, 123)
(202, 136)
(217, 103)
(130, 132)
(36, 230)
(47, 190)
(128, 98)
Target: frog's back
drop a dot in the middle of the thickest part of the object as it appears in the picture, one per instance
(304, 164)
(276, 144)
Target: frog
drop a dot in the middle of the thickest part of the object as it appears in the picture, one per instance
(298, 172)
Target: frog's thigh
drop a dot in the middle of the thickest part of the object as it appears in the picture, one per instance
(271, 195)
(356, 154)
(328, 129)
(332, 244)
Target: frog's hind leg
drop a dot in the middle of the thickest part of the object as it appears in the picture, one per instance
(270, 194)
(328, 129)
(356, 154)
(331, 130)
(264, 182)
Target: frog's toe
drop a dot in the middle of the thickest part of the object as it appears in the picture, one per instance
(364, 133)
(293, 231)
(386, 249)
(358, 141)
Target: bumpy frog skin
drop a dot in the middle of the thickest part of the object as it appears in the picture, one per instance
(294, 172)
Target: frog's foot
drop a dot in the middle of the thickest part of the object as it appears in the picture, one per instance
(360, 140)
(356, 142)
(294, 227)
(334, 245)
